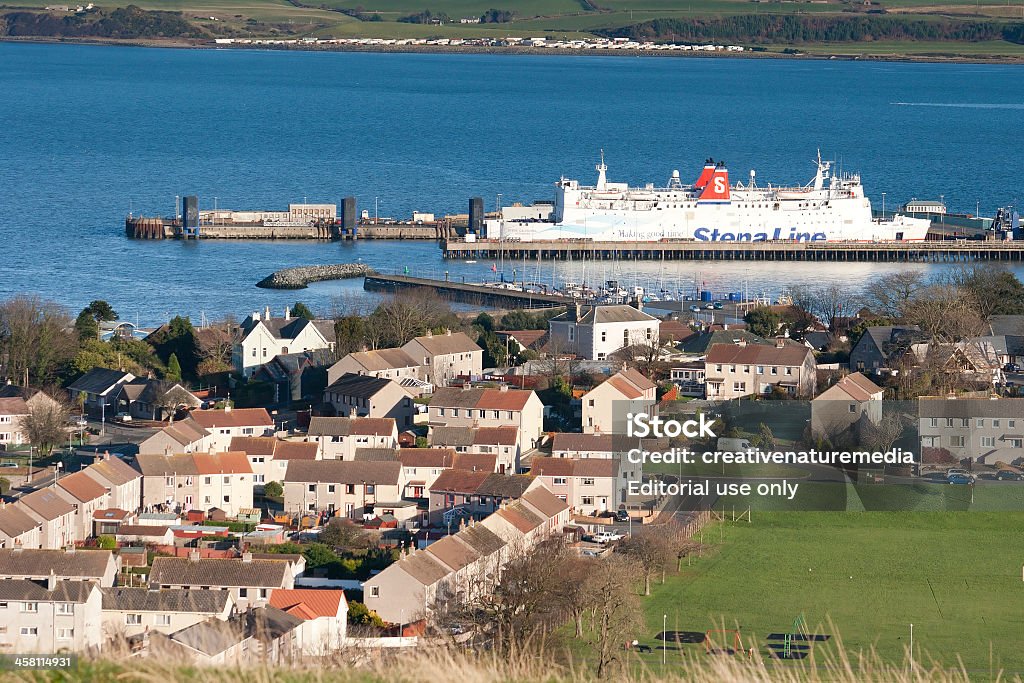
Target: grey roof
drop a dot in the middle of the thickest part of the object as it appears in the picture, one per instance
(359, 386)
(290, 328)
(46, 503)
(1006, 325)
(421, 566)
(818, 340)
(481, 539)
(165, 600)
(345, 426)
(971, 408)
(343, 472)
(35, 591)
(98, 380)
(611, 313)
(894, 340)
(504, 485)
(1004, 344)
(211, 637)
(76, 564)
(180, 571)
(157, 464)
(383, 359)
(699, 343)
(376, 455)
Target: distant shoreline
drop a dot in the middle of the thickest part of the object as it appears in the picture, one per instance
(481, 50)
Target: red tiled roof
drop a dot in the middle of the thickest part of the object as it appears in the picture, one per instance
(253, 445)
(481, 398)
(459, 481)
(295, 450)
(625, 388)
(232, 462)
(758, 354)
(475, 462)
(316, 602)
(83, 487)
(426, 457)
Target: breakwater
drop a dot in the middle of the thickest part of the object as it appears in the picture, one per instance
(300, 276)
(467, 293)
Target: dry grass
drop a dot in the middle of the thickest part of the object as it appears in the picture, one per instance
(444, 665)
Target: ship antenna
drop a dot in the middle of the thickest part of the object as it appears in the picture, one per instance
(602, 180)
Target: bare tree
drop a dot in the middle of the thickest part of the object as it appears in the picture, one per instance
(575, 597)
(828, 303)
(36, 337)
(45, 425)
(891, 295)
(616, 609)
(946, 313)
(410, 314)
(170, 401)
(650, 551)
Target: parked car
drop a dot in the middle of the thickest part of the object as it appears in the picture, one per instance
(621, 516)
(78, 421)
(122, 417)
(695, 309)
(1011, 367)
(959, 471)
(1009, 475)
(719, 305)
(959, 479)
(603, 537)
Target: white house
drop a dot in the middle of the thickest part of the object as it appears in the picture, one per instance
(596, 332)
(486, 407)
(223, 425)
(337, 438)
(606, 406)
(446, 357)
(324, 611)
(264, 337)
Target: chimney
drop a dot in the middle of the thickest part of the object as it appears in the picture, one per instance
(430, 333)
(255, 315)
(287, 313)
(247, 558)
(267, 312)
(153, 587)
(51, 582)
(503, 388)
(639, 305)
(780, 342)
(193, 555)
(579, 309)
(741, 342)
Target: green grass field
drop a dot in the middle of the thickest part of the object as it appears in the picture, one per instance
(862, 576)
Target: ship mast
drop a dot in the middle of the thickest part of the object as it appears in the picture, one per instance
(602, 180)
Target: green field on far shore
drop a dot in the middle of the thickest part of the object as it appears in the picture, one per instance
(859, 577)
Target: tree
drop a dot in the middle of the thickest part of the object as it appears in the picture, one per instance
(361, 615)
(106, 542)
(173, 373)
(36, 339)
(300, 310)
(178, 337)
(616, 609)
(173, 399)
(273, 489)
(350, 332)
(343, 533)
(995, 290)
(101, 311)
(946, 313)
(828, 303)
(319, 555)
(763, 321)
(650, 551)
(44, 425)
(86, 326)
(408, 315)
(890, 295)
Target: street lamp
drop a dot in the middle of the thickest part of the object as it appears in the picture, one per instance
(664, 639)
(56, 472)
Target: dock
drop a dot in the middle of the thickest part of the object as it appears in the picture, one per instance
(934, 251)
(467, 293)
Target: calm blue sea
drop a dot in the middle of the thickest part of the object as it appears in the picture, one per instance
(90, 133)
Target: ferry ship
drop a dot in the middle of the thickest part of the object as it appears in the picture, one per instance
(830, 208)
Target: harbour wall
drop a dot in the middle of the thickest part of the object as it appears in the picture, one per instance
(300, 277)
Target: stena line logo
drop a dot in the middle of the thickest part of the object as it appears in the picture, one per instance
(716, 235)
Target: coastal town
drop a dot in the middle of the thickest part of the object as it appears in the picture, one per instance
(291, 486)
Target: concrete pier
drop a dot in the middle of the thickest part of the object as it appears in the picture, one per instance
(945, 251)
(465, 292)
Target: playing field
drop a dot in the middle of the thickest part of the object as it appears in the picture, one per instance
(862, 576)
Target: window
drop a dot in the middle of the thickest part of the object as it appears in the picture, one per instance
(311, 488)
(494, 415)
(455, 412)
(29, 631)
(65, 633)
(979, 423)
(558, 481)
(1011, 424)
(169, 481)
(227, 481)
(949, 422)
(956, 441)
(1015, 443)
(590, 403)
(588, 481)
(789, 371)
(350, 489)
(133, 619)
(440, 411)
(933, 422)
(587, 500)
(775, 370)
(330, 488)
(374, 591)
(248, 430)
(760, 369)
(65, 608)
(987, 442)
(207, 480)
(604, 336)
(370, 489)
(995, 423)
(30, 607)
